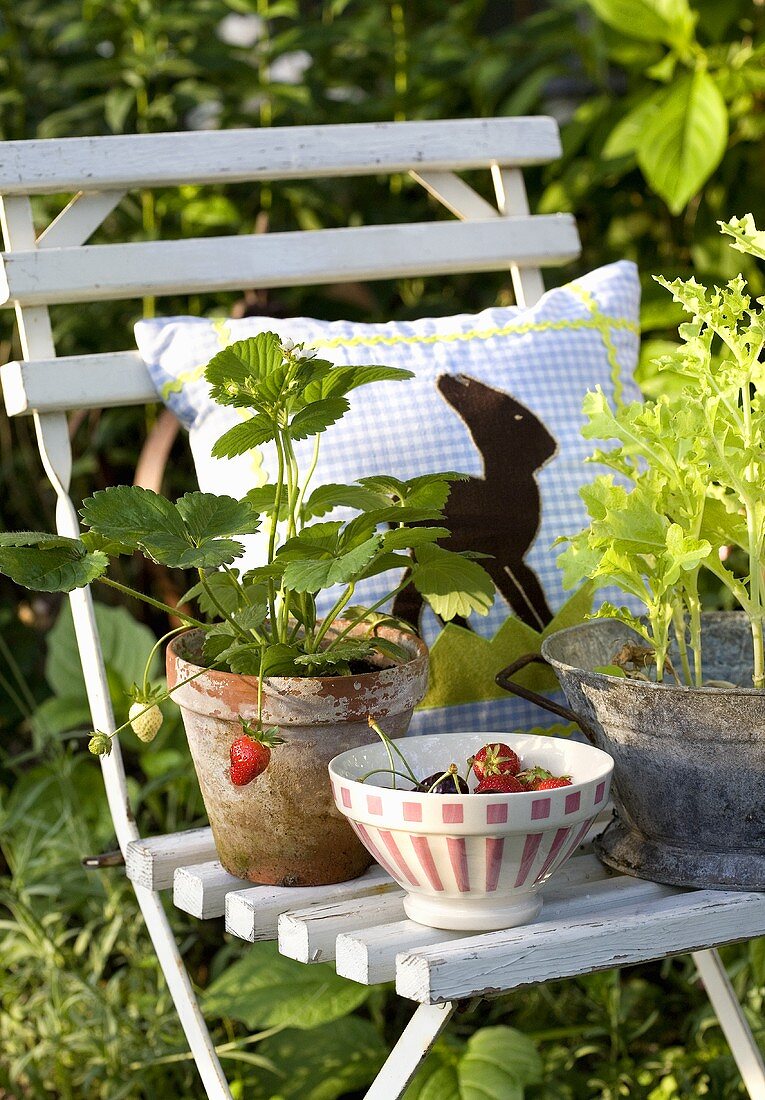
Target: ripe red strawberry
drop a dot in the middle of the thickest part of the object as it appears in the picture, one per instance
(529, 776)
(497, 759)
(499, 784)
(552, 783)
(251, 753)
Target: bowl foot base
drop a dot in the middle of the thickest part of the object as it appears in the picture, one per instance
(473, 914)
(628, 851)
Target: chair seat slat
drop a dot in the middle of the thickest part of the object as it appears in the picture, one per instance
(651, 927)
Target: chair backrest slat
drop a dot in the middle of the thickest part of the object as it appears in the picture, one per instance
(101, 272)
(77, 382)
(294, 152)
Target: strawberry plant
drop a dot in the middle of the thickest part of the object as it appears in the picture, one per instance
(263, 621)
(689, 469)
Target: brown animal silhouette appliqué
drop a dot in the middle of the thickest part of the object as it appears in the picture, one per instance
(497, 514)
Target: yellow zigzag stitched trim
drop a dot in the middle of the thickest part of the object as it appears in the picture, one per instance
(604, 325)
(175, 385)
(592, 322)
(596, 321)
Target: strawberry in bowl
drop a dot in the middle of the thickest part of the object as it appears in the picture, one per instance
(475, 860)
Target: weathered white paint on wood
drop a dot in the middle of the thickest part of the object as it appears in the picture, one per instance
(458, 197)
(105, 272)
(499, 961)
(201, 890)
(732, 1021)
(281, 152)
(405, 1059)
(81, 218)
(77, 382)
(151, 861)
(254, 914)
(510, 190)
(55, 450)
(368, 955)
(309, 935)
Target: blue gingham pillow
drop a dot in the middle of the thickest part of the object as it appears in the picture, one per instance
(496, 395)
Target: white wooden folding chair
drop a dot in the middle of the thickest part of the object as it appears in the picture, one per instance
(593, 921)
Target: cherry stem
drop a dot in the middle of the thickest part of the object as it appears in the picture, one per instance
(391, 745)
(386, 771)
(450, 773)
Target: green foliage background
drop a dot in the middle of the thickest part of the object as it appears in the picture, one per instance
(663, 121)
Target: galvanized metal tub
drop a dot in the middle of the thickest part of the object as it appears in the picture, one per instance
(689, 762)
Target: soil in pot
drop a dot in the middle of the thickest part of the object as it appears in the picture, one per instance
(283, 828)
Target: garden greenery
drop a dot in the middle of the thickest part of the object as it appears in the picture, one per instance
(694, 465)
(71, 68)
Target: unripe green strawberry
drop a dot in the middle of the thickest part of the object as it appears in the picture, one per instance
(100, 744)
(145, 722)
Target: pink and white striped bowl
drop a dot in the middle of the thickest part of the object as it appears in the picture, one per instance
(472, 861)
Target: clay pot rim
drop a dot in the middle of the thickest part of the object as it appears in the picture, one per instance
(282, 683)
(638, 685)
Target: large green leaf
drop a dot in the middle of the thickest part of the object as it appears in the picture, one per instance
(125, 645)
(668, 21)
(341, 380)
(141, 519)
(264, 989)
(130, 514)
(405, 538)
(341, 1057)
(497, 1065)
(452, 584)
(49, 563)
(684, 140)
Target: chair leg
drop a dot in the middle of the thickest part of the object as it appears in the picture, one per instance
(732, 1021)
(192, 1021)
(404, 1060)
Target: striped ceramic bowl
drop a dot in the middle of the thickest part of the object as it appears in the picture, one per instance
(472, 861)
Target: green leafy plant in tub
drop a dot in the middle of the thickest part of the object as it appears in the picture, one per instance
(690, 472)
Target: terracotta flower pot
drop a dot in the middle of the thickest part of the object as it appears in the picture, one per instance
(283, 828)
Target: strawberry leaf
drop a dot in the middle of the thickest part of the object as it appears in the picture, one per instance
(208, 516)
(131, 515)
(244, 437)
(317, 417)
(313, 575)
(49, 563)
(349, 649)
(326, 497)
(453, 585)
(235, 372)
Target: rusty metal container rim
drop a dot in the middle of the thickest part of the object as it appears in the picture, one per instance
(649, 685)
